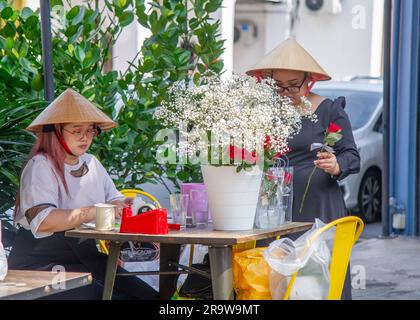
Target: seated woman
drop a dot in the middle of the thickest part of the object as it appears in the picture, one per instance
(58, 189)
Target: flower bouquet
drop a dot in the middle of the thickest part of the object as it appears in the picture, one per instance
(223, 125)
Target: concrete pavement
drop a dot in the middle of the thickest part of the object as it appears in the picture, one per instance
(391, 267)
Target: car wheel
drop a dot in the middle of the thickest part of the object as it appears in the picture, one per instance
(370, 197)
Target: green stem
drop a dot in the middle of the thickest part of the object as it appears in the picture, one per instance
(307, 186)
(306, 190)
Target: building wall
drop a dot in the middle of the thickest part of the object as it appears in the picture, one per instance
(127, 45)
(271, 28)
(345, 44)
(340, 43)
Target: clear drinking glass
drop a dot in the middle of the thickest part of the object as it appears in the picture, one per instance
(199, 206)
(179, 207)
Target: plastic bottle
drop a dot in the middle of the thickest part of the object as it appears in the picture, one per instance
(3, 260)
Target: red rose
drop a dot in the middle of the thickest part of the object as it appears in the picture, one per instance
(282, 153)
(287, 178)
(250, 157)
(236, 153)
(267, 142)
(333, 128)
(233, 151)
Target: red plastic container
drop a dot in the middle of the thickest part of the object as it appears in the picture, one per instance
(174, 226)
(151, 222)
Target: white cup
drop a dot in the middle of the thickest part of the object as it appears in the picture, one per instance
(105, 217)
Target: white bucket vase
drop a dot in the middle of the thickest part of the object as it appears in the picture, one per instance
(232, 196)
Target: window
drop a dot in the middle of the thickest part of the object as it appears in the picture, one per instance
(379, 125)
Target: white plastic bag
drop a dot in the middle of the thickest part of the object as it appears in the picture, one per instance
(3, 259)
(312, 260)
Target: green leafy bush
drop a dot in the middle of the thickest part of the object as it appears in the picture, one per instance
(184, 42)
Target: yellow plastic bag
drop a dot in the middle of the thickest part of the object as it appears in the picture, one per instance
(251, 275)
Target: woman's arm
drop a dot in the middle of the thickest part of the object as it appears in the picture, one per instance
(347, 155)
(60, 220)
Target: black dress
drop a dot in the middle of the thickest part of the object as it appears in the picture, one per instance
(324, 199)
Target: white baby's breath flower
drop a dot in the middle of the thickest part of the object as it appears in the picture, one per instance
(238, 108)
(305, 109)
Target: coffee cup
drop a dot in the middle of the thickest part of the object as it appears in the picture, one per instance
(105, 216)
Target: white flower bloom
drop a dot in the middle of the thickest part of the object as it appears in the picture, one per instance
(238, 108)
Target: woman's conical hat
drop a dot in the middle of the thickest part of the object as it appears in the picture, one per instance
(71, 107)
(290, 55)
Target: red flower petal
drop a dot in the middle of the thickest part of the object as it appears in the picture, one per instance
(333, 128)
(282, 152)
(232, 152)
(286, 150)
(250, 157)
(236, 153)
(267, 142)
(288, 178)
(277, 155)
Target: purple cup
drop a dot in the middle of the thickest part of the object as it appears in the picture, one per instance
(199, 208)
(187, 187)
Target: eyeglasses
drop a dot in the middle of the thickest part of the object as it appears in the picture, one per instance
(79, 134)
(290, 89)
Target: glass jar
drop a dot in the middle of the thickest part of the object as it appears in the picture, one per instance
(275, 199)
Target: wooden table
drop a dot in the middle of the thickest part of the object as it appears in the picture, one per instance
(28, 284)
(220, 252)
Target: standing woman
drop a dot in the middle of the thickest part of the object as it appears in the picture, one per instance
(295, 72)
(59, 186)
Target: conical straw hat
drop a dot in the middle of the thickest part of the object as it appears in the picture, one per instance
(71, 107)
(290, 55)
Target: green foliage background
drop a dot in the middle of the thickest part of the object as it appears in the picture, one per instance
(184, 42)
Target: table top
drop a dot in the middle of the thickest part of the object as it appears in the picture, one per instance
(32, 284)
(205, 236)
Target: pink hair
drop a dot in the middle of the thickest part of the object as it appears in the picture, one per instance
(48, 145)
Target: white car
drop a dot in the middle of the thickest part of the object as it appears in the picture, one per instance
(362, 192)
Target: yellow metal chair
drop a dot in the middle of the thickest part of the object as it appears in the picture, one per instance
(347, 232)
(130, 193)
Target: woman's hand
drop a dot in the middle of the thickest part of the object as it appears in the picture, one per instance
(88, 214)
(121, 204)
(328, 162)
